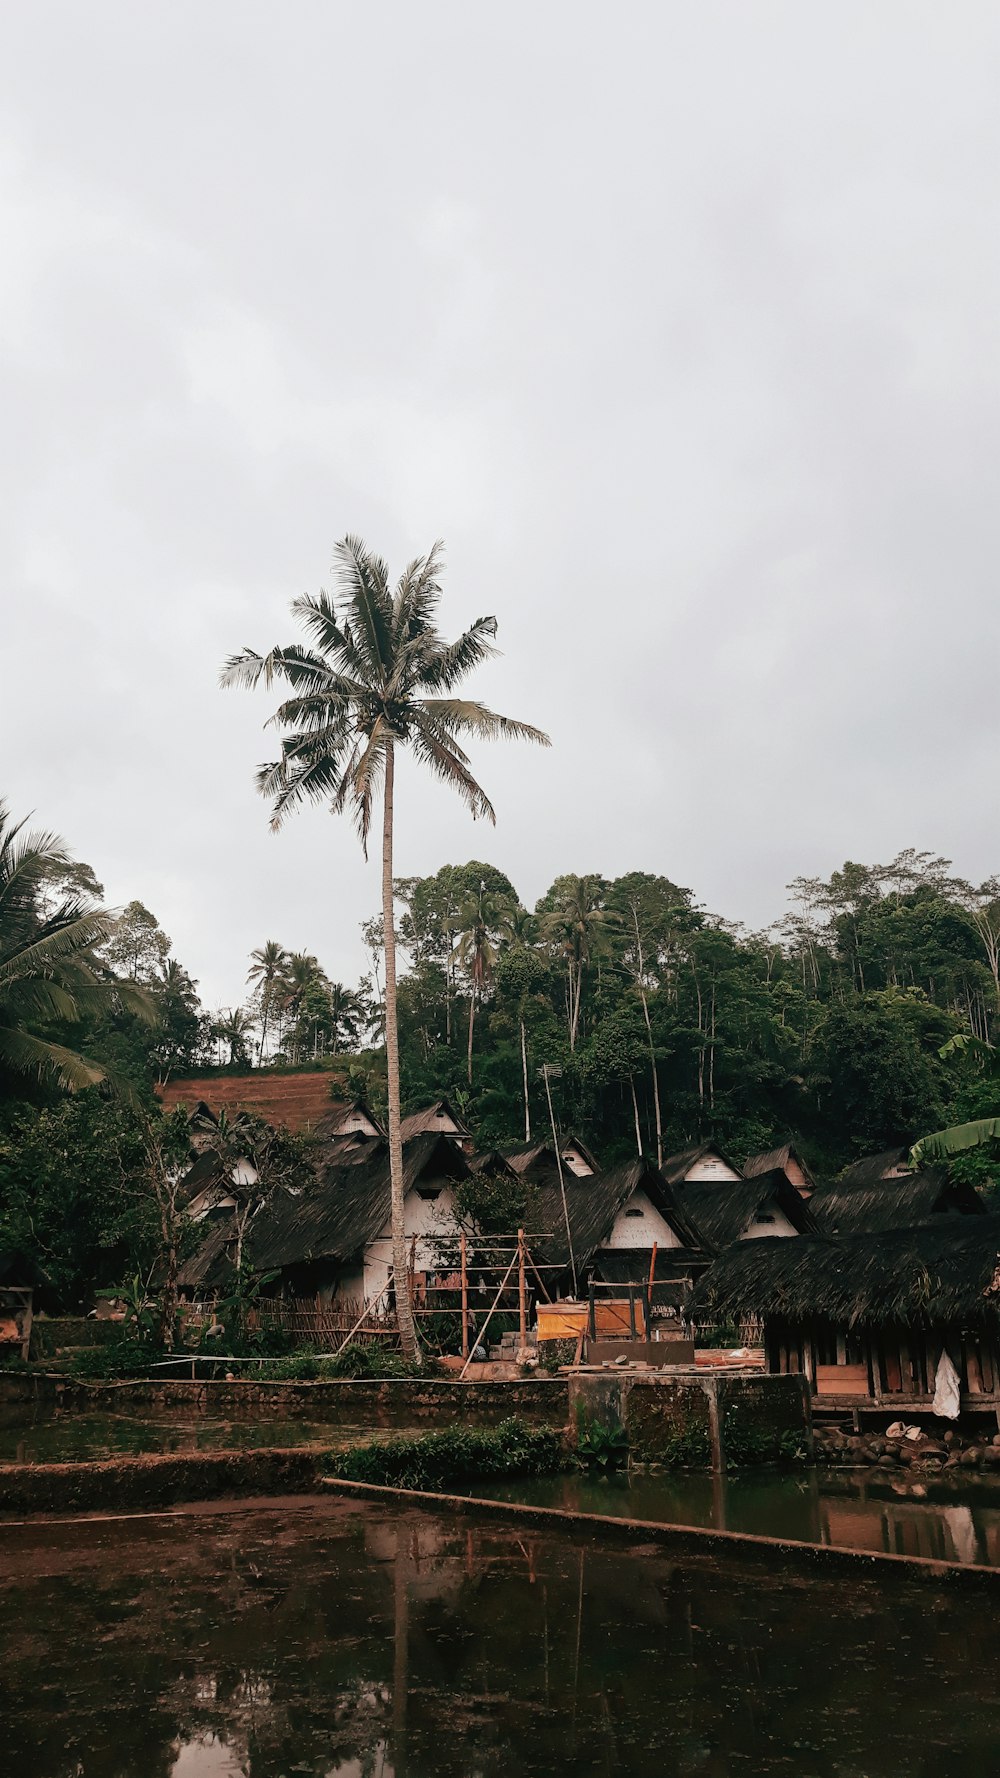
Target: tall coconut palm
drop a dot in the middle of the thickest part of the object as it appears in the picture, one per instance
(378, 676)
(49, 974)
(578, 925)
(267, 974)
(483, 922)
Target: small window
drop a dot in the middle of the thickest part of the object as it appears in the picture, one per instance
(428, 1192)
(765, 1216)
(635, 1212)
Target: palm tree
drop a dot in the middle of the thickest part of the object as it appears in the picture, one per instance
(346, 1014)
(578, 926)
(379, 676)
(233, 1027)
(48, 971)
(267, 973)
(483, 920)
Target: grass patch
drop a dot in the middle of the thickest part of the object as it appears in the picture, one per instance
(439, 1460)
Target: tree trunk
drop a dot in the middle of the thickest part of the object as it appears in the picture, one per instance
(404, 1308)
(652, 1047)
(472, 1026)
(635, 1113)
(524, 1078)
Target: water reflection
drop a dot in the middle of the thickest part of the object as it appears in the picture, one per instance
(351, 1640)
(942, 1521)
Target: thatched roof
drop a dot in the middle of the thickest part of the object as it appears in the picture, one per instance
(905, 1203)
(947, 1272)
(593, 1204)
(492, 1161)
(777, 1160)
(431, 1119)
(677, 1166)
(208, 1262)
(334, 1118)
(726, 1208)
(873, 1167)
(348, 1206)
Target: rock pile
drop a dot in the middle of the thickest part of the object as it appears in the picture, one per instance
(902, 1446)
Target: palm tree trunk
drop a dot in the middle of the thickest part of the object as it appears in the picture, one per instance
(524, 1078)
(635, 1113)
(472, 1026)
(404, 1307)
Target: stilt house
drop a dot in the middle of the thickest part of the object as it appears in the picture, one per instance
(868, 1317)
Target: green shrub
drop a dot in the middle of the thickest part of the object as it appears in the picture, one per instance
(356, 1361)
(445, 1459)
(122, 1357)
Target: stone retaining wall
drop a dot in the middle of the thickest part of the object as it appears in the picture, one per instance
(696, 1418)
(402, 1402)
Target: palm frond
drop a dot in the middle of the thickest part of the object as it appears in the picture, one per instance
(364, 579)
(466, 715)
(444, 761)
(52, 946)
(333, 636)
(417, 593)
(361, 780)
(300, 666)
(34, 1059)
(453, 661)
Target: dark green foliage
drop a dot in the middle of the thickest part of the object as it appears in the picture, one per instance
(601, 1447)
(356, 1360)
(450, 1459)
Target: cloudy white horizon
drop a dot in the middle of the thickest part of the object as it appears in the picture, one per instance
(678, 323)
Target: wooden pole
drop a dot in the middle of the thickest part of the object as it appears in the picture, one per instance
(649, 1290)
(482, 1331)
(522, 1301)
(465, 1299)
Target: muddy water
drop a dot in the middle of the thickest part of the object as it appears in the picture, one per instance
(342, 1638)
(47, 1437)
(945, 1521)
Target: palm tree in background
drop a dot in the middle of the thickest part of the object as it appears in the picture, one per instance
(378, 676)
(233, 1027)
(49, 974)
(267, 975)
(483, 922)
(346, 1014)
(578, 927)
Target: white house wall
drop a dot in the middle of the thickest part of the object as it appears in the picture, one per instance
(710, 1167)
(778, 1224)
(430, 1220)
(641, 1230)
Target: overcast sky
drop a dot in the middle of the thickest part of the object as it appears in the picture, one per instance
(679, 324)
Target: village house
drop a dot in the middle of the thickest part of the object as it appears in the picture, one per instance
(786, 1160)
(747, 1209)
(297, 1101)
(437, 1119)
(906, 1321)
(904, 1200)
(700, 1163)
(576, 1157)
(622, 1225)
(334, 1241)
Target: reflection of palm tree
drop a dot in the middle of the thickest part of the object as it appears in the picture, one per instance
(48, 971)
(379, 676)
(267, 975)
(482, 922)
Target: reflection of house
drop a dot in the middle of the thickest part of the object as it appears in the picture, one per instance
(747, 1209)
(438, 1119)
(702, 1162)
(867, 1317)
(785, 1160)
(334, 1239)
(898, 1201)
(575, 1155)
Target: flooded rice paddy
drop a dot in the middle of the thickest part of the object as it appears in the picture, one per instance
(40, 1436)
(934, 1518)
(343, 1638)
